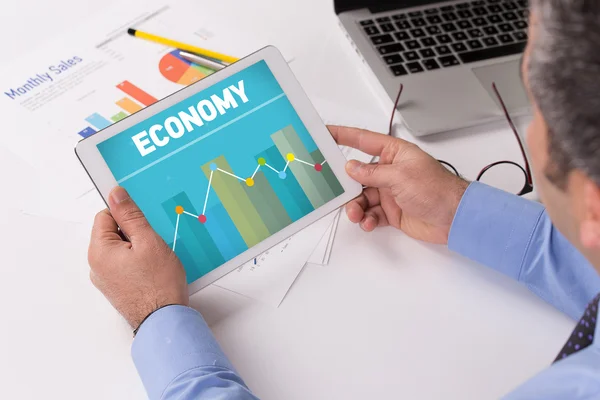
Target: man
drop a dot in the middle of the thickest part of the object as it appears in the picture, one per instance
(553, 251)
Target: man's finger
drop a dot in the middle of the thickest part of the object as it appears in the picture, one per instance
(391, 208)
(105, 227)
(372, 195)
(105, 234)
(128, 215)
(361, 200)
(375, 175)
(366, 141)
(355, 211)
(356, 207)
(374, 217)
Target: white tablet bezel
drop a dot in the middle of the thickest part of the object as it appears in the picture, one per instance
(101, 176)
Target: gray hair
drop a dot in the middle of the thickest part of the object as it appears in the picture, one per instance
(564, 77)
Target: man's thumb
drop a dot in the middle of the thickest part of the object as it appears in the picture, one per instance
(374, 175)
(127, 214)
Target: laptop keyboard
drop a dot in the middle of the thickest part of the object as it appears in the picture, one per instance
(445, 36)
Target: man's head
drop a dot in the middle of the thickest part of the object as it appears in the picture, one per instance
(561, 69)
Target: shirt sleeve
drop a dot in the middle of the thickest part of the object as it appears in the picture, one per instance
(573, 378)
(177, 357)
(516, 237)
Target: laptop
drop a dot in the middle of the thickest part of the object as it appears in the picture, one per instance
(447, 54)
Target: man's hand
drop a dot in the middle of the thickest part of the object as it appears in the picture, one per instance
(407, 188)
(138, 276)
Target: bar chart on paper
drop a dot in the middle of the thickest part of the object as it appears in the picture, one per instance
(171, 66)
(135, 100)
(285, 183)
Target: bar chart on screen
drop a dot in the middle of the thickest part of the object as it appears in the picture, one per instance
(285, 183)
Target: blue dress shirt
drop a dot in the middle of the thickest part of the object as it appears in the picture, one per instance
(177, 356)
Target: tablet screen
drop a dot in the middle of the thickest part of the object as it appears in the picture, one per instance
(222, 170)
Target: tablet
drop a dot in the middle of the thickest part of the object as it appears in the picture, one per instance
(227, 167)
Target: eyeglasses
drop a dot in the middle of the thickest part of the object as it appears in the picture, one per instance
(485, 172)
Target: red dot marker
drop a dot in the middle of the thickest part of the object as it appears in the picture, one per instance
(318, 167)
(202, 218)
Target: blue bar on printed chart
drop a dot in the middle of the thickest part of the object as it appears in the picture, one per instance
(98, 121)
(87, 132)
(223, 231)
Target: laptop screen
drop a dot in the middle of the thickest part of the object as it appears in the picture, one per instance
(379, 5)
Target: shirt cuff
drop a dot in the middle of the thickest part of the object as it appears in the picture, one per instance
(171, 341)
(494, 228)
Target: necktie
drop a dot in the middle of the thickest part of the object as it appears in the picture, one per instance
(583, 334)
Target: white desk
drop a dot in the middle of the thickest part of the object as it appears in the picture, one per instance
(388, 318)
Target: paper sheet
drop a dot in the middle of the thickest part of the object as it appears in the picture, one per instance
(318, 255)
(334, 227)
(272, 276)
(84, 82)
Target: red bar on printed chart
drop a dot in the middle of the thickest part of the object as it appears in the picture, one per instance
(137, 93)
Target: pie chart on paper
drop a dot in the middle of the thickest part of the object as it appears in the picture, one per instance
(176, 69)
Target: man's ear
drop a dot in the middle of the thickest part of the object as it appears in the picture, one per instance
(590, 224)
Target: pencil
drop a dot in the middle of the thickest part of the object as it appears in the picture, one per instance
(181, 46)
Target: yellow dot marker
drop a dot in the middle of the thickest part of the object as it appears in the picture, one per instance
(249, 181)
(179, 210)
(290, 157)
(262, 161)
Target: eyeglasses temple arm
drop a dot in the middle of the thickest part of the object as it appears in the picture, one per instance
(514, 129)
(394, 110)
